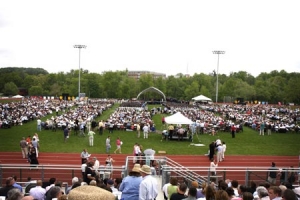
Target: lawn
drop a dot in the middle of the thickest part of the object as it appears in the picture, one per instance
(246, 143)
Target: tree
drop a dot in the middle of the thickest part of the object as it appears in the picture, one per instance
(35, 91)
(10, 88)
(191, 90)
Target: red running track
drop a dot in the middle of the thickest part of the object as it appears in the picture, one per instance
(63, 175)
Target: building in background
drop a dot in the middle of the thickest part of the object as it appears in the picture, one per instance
(137, 74)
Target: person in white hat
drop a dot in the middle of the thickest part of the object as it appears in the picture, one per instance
(130, 184)
(149, 187)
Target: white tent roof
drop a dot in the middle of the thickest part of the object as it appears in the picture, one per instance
(17, 96)
(178, 118)
(201, 98)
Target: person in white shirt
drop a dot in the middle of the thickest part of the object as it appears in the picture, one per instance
(96, 164)
(146, 131)
(213, 167)
(165, 190)
(148, 187)
(38, 192)
(39, 124)
(224, 149)
(219, 153)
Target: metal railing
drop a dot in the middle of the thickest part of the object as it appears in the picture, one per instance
(164, 167)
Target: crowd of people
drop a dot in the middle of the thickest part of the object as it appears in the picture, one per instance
(140, 184)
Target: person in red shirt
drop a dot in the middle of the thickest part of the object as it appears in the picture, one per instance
(119, 144)
(28, 139)
(233, 130)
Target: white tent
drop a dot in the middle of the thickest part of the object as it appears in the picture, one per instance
(178, 118)
(17, 96)
(201, 98)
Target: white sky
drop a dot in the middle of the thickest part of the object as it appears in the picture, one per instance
(166, 36)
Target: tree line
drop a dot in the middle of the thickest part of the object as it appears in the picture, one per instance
(273, 87)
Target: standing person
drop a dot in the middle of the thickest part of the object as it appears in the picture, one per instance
(149, 187)
(84, 155)
(213, 167)
(262, 128)
(180, 192)
(91, 138)
(33, 159)
(224, 150)
(212, 148)
(219, 153)
(66, 134)
(35, 145)
(136, 152)
(269, 128)
(119, 144)
(89, 173)
(171, 131)
(39, 124)
(109, 160)
(96, 164)
(28, 140)
(107, 144)
(130, 184)
(145, 131)
(24, 147)
(138, 130)
(101, 125)
(111, 127)
(233, 130)
(173, 188)
(272, 174)
(83, 166)
(36, 136)
(193, 193)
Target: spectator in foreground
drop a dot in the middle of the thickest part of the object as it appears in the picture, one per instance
(288, 194)
(192, 194)
(149, 187)
(130, 184)
(180, 192)
(38, 192)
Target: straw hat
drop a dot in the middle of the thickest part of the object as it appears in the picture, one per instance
(136, 168)
(146, 169)
(88, 192)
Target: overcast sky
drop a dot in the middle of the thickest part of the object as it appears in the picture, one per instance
(166, 36)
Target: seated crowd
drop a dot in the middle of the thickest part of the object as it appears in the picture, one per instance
(94, 187)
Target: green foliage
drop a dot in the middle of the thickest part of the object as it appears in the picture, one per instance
(10, 89)
(271, 87)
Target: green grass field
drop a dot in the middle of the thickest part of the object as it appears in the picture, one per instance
(246, 143)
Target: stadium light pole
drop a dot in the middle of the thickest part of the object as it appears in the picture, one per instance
(79, 46)
(217, 83)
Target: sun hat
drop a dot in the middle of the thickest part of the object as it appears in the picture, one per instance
(145, 169)
(136, 168)
(89, 192)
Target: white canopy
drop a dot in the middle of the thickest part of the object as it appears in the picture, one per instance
(17, 96)
(178, 118)
(201, 98)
